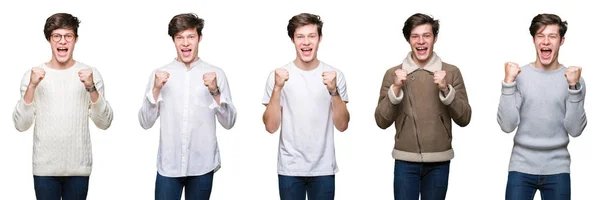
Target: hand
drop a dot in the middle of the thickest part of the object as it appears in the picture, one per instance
(511, 70)
(86, 77)
(210, 81)
(439, 78)
(281, 76)
(330, 80)
(160, 79)
(573, 73)
(399, 77)
(37, 74)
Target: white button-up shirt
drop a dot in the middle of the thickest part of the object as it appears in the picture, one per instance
(188, 143)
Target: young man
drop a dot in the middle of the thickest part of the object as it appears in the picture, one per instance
(545, 100)
(422, 96)
(307, 97)
(188, 93)
(51, 93)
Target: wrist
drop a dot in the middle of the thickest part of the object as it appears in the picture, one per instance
(334, 92)
(214, 92)
(90, 89)
(509, 80)
(32, 86)
(573, 86)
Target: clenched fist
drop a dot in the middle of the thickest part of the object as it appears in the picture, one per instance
(37, 74)
(160, 79)
(439, 78)
(573, 73)
(399, 77)
(330, 80)
(281, 76)
(210, 81)
(86, 77)
(511, 70)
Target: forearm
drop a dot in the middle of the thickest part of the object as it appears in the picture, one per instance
(341, 116)
(29, 93)
(101, 113)
(149, 112)
(508, 113)
(272, 115)
(575, 117)
(94, 96)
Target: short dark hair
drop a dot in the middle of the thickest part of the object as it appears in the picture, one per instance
(61, 20)
(304, 19)
(185, 21)
(417, 20)
(542, 20)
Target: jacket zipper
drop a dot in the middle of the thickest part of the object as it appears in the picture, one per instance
(409, 95)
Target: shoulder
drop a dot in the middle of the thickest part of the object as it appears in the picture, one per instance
(450, 68)
(211, 67)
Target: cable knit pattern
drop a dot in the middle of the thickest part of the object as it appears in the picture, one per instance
(60, 110)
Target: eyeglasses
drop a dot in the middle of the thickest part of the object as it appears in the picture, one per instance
(68, 37)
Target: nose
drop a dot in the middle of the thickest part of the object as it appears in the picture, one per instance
(421, 40)
(546, 40)
(185, 42)
(305, 41)
(63, 40)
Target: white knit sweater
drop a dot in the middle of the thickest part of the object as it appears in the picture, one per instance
(60, 109)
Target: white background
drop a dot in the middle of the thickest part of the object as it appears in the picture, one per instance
(126, 40)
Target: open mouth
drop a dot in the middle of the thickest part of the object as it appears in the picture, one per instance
(186, 52)
(306, 51)
(62, 51)
(546, 52)
(421, 50)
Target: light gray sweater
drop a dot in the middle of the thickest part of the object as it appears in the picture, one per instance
(541, 104)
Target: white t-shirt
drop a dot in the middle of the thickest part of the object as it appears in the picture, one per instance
(306, 146)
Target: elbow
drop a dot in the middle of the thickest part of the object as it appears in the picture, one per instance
(145, 125)
(231, 122)
(576, 132)
(271, 129)
(465, 118)
(507, 128)
(228, 126)
(382, 122)
(464, 122)
(342, 127)
(21, 128)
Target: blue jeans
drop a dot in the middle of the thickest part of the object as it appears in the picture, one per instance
(429, 179)
(296, 187)
(523, 186)
(55, 187)
(196, 187)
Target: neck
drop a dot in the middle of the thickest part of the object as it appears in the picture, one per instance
(306, 66)
(421, 64)
(55, 64)
(188, 64)
(552, 66)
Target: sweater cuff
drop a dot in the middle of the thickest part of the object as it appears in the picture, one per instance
(576, 95)
(150, 98)
(24, 107)
(447, 100)
(99, 105)
(395, 100)
(509, 88)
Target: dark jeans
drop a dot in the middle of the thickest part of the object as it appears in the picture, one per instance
(196, 187)
(523, 186)
(55, 187)
(428, 179)
(296, 187)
